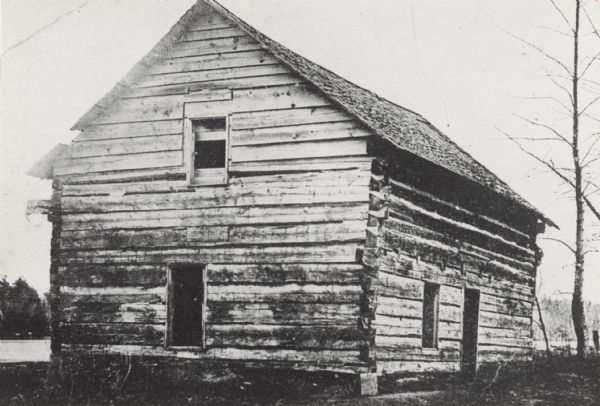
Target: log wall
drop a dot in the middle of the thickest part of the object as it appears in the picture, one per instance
(417, 235)
(281, 241)
(316, 255)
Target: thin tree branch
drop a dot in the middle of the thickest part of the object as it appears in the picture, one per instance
(560, 242)
(595, 30)
(551, 166)
(589, 65)
(589, 150)
(563, 16)
(582, 111)
(541, 51)
(568, 92)
(592, 117)
(569, 110)
(543, 27)
(547, 127)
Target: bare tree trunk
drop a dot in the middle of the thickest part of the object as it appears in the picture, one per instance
(543, 326)
(577, 308)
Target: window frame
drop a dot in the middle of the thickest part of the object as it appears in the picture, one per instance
(434, 318)
(170, 307)
(207, 176)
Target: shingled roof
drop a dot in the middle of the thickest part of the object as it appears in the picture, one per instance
(403, 128)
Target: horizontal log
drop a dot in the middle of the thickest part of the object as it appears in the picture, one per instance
(271, 98)
(355, 173)
(298, 133)
(455, 254)
(396, 286)
(390, 367)
(283, 336)
(449, 256)
(280, 273)
(118, 162)
(155, 275)
(126, 146)
(491, 353)
(208, 20)
(217, 197)
(506, 341)
(324, 358)
(133, 312)
(208, 34)
(115, 239)
(78, 182)
(511, 307)
(212, 236)
(214, 46)
(422, 269)
(295, 313)
(503, 333)
(144, 109)
(296, 293)
(194, 76)
(342, 232)
(452, 209)
(498, 320)
(297, 150)
(451, 295)
(335, 253)
(113, 275)
(234, 83)
(171, 107)
(73, 301)
(396, 307)
(129, 130)
(404, 206)
(301, 165)
(425, 228)
(327, 212)
(212, 62)
(288, 117)
(113, 333)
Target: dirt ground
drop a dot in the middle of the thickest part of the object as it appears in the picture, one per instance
(542, 382)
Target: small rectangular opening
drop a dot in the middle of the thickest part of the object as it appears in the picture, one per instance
(187, 299)
(430, 315)
(209, 154)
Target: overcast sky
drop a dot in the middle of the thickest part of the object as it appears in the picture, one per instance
(453, 61)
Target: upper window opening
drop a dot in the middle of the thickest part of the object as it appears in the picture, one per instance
(208, 146)
(431, 298)
(209, 154)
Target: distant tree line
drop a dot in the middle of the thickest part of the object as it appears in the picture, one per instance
(559, 323)
(22, 312)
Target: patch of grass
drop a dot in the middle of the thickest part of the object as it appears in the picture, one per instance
(123, 381)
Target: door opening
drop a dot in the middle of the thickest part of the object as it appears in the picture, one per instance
(187, 306)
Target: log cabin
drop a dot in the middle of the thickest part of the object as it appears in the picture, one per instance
(231, 201)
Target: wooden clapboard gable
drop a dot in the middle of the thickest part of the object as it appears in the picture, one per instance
(275, 115)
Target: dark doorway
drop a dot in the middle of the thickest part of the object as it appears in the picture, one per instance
(470, 331)
(187, 299)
